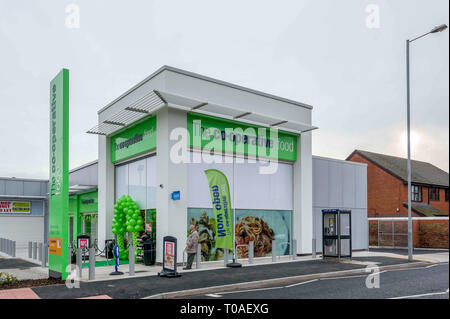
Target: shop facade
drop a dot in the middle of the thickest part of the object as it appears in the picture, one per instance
(158, 138)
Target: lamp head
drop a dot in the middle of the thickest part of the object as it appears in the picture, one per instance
(439, 28)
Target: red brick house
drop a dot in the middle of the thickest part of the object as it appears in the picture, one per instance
(387, 186)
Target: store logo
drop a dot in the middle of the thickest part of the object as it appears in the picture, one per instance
(231, 142)
(88, 201)
(125, 144)
(56, 175)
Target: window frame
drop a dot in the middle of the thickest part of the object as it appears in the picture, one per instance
(433, 194)
(419, 193)
(446, 194)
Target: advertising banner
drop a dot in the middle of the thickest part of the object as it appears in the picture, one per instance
(133, 141)
(12, 207)
(221, 202)
(208, 132)
(59, 175)
(257, 225)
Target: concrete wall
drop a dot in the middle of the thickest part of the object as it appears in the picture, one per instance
(343, 185)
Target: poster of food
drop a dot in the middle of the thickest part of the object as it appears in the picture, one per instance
(169, 255)
(261, 226)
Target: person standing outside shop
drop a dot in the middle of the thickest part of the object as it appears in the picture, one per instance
(191, 247)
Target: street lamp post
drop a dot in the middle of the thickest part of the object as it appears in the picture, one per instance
(410, 239)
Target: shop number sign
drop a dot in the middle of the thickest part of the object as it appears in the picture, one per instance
(14, 207)
(169, 258)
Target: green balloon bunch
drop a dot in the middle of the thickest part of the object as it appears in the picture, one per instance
(127, 219)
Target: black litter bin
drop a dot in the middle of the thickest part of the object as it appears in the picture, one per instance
(149, 252)
(109, 248)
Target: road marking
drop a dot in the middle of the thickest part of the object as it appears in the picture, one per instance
(300, 283)
(213, 295)
(249, 290)
(422, 295)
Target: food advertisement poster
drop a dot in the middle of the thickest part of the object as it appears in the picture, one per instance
(169, 255)
(261, 226)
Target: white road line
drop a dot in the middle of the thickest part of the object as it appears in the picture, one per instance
(249, 290)
(422, 295)
(213, 295)
(300, 283)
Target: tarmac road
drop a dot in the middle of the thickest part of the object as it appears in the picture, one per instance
(430, 282)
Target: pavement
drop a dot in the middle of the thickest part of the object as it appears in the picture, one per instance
(211, 275)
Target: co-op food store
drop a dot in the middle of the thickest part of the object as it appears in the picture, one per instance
(157, 139)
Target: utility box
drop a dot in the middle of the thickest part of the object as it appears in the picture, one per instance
(336, 233)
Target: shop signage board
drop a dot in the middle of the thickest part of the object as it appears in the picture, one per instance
(134, 140)
(13, 207)
(221, 202)
(88, 202)
(208, 132)
(59, 175)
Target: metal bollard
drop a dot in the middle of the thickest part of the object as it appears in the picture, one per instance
(225, 257)
(34, 250)
(69, 255)
(294, 249)
(274, 251)
(91, 263)
(43, 259)
(30, 249)
(79, 264)
(314, 248)
(251, 252)
(40, 246)
(131, 259)
(14, 249)
(198, 256)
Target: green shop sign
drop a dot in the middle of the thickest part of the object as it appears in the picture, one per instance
(212, 133)
(59, 175)
(134, 140)
(89, 202)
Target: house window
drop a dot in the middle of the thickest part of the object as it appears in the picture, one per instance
(446, 194)
(416, 193)
(434, 193)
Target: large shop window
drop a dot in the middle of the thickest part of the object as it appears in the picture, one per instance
(138, 179)
(263, 206)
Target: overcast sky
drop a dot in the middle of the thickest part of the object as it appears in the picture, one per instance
(342, 57)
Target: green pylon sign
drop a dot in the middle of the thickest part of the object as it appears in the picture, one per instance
(58, 185)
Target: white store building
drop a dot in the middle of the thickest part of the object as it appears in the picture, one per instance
(139, 135)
